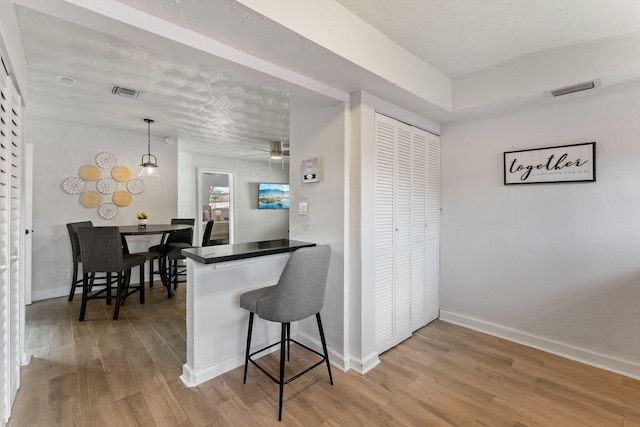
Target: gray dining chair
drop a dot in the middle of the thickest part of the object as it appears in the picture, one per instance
(101, 249)
(72, 228)
(175, 273)
(298, 294)
(182, 238)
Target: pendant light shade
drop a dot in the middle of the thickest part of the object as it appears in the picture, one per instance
(149, 162)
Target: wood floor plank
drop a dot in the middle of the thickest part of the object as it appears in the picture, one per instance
(102, 372)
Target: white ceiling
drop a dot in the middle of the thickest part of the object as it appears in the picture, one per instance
(460, 37)
(210, 107)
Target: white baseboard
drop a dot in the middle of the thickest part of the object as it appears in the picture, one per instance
(362, 366)
(570, 352)
(336, 359)
(52, 293)
(63, 291)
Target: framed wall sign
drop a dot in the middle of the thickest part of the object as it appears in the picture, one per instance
(566, 163)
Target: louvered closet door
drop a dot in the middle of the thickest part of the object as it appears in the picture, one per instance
(10, 199)
(402, 250)
(402, 246)
(384, 182)
(418, 228)
(432, 306)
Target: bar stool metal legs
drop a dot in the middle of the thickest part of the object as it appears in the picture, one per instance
(285, 345)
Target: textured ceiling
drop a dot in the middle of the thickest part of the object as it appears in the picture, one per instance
(218, 111)
(208, 110)
(459, 37)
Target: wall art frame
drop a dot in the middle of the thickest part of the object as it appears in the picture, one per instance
(551, 165)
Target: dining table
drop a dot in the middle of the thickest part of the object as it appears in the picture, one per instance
(165, 230)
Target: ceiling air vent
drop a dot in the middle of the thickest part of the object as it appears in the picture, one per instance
(126, 92)
(572, 89)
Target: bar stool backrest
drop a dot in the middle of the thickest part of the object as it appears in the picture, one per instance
(300, 290)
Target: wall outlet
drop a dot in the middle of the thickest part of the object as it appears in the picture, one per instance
(67, 274)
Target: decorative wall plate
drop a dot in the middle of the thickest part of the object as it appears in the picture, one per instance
(135, 186)
(108, 210)
(90, 199)
(106, 160)
(122, 198)
(121, 173)
(89, 172)
(73, 185)
(107, 185)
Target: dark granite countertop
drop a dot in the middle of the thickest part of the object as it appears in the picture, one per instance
(237, 251)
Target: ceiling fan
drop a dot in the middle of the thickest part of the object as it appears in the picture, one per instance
(277, 151)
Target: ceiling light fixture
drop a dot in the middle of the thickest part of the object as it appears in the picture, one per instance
(275, 153)
(276, 150)
(149, 162)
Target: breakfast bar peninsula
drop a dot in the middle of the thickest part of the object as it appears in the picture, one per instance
(216, 325)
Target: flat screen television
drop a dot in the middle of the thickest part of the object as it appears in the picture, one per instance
(273, 196)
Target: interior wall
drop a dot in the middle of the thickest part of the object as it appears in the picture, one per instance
(250, 223)
(60, 149)
(555, 266)
(318, 131)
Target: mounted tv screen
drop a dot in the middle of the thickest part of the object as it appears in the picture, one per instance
(273, 196)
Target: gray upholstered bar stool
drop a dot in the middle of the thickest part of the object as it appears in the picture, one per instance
(101, 249)
(298, 294)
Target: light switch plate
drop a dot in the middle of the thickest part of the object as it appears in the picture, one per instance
(302, 208)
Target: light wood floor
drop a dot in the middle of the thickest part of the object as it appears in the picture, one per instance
(126, 373)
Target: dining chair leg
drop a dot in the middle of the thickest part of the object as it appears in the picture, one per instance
(283, 336)
(246, 356)
(119, 292)
(74, 280)
(151, 273)
(85, 295)
(108, 290)
(324, 347)
(141, 284)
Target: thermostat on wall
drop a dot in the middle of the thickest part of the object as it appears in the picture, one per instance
(311, 171)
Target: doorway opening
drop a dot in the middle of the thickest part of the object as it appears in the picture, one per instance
(215, 202)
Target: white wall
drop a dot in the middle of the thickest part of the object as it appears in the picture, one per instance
(555, 266)
(319, 131)
(250, 223)
(60, 149)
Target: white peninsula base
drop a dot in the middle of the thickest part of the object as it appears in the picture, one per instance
(216, 325)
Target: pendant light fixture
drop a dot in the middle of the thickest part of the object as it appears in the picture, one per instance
(149, 162)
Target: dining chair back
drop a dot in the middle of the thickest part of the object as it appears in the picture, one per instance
(298, 294)
(182, 237)
(72, 228)
(102, 252)
(206, 236)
